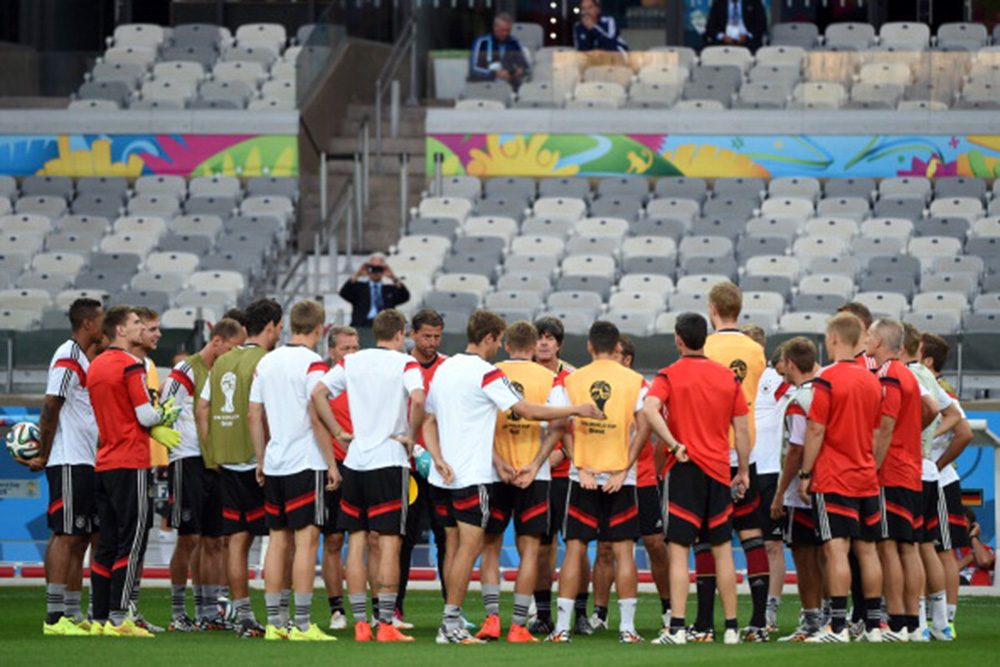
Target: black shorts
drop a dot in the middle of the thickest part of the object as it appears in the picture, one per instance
(195, 498)
(746, 510)
(650, 510)
(295, 501)
(72, 502)
(839, 516)
(528, 507)
(768, 485)
(930, 510)
(376, 500)
(596, 515)
(958, 526)
(558, 488)
(799, 527)
(470, 504)
(699, 508)
(902, 514)
(242, 503)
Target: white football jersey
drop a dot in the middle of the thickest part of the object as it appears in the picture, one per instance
(180, 386)
(772, 397)
(378, 382)
(465, 396)
(948, 474)
(75, 439)
(283, 384)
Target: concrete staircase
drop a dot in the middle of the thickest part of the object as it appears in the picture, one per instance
(382, 217)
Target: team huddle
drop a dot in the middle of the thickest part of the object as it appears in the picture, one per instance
(847, 464)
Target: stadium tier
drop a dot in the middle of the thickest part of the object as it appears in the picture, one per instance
(638, 251)
(196, 66)
(174, 244)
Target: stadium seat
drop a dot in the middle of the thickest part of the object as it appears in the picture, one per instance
(803, 323)
(646, 282)
(584, 283)
(463, 282)
(514, 299)
(800, 34)
(573, 187)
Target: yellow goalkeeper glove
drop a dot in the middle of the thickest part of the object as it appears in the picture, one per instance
(169, 413)
(166, 436)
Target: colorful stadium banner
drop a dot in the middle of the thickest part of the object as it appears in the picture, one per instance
(135, 155)
(823, 156)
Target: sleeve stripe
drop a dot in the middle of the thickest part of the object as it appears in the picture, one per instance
(494, 374)
(820, 383)
(890, 380)
(135, 368)
(182, 379)
(74, 366)
(411, 365)
(317, 367)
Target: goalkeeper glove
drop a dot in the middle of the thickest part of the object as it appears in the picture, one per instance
(166, 436)
(169, 413)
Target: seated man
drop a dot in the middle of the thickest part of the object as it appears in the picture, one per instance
(595, 32)
(497, 55)
(736, 23)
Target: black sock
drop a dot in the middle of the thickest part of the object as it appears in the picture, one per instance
(664, 605)
(439, 547)
(911, 622)
(873, 613)
(857, 591)
(838, 613)
(405, 557)
(705, 586)
(676, 623)
(602, 612)
(897, 622)
(53, 617)
(580, 606)
(732, 624)
(375, 607)
(336, 603)
(543, 604)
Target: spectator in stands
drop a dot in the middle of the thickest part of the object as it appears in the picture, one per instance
(374, 295)
(594, 32)
(497, 55)
(736, 23)
(978, 560)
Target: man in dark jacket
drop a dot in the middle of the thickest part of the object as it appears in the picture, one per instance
(374, 295)
(736, 23)
(498, 55)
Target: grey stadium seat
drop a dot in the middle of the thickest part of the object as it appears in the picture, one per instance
(802, 34)
(753, 246)
(510, 187)
(576, 187)
(780, 284)
(59, 186)
(671, 227)
(682, 187)
(597, 284)
(705, 225)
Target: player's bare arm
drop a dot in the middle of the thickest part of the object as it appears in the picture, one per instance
(541, 413)
(652, 409)
(950, 418)
(929, 409)
(793, 463)
(324, 443)
(526, 475)
(432, 444)
(504, 469)
(741, 433)
(418, 402)
(255, 420)
(815, 432)
(321, 405)
(48, 422)
(960, 440)
(639, 438)
(883, 438)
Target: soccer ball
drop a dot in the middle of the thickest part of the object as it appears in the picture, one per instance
(24, 440)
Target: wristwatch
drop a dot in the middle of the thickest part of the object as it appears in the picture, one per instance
(805, 475)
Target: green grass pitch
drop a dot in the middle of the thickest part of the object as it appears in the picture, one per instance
(22, 643)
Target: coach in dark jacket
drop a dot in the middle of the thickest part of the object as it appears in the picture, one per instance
(369, 297)
(736, 23)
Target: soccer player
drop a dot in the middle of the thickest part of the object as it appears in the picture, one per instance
(702, 401)
(294, 465)
(222, 424)
(425, 332)
(745, 358)
(461, 421)
(124, 413)
(838, 468)
(341, 341)
(898, 457)
(798, 364)
(385, 392)
(930, 536)
(67, 453)
(647, 483)
(772, 400)
(550, 339)
(861, 311)
(601, 503)
(195, 497)
(947, 447)
(520, 490)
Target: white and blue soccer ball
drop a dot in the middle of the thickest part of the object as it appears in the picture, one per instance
(24, 440)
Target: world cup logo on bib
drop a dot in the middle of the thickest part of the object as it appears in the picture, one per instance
(600, 393)
(519, 388)
(228, 385)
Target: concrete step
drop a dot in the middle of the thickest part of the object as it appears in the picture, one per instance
(390, 146)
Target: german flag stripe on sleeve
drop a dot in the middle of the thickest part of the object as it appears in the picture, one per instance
(182, 379)
(317, 367)
(494, 374)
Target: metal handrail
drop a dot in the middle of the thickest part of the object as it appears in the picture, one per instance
(407, 43)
